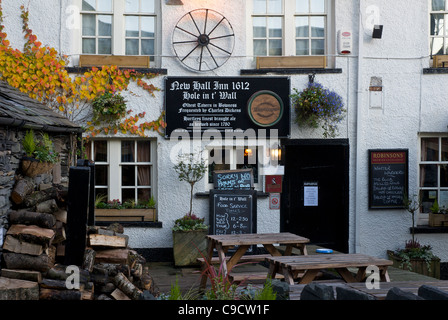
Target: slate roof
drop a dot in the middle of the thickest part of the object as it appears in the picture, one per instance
(17, 109)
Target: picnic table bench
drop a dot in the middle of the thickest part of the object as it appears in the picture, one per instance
(310, 265)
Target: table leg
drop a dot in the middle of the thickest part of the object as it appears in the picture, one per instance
(207, 264)
(222, 259)
(272, 250)
(384, 275)
(236, 257)
(273, 269)
(302, 248)
(346, 275)
(308, 276)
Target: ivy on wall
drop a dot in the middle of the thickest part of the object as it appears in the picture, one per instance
(40, 71)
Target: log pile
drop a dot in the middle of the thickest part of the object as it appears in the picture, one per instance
(34, 249)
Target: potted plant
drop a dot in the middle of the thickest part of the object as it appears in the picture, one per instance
(438, 217)
(189, 232)
(114, 209)
(40, 154)
(318, 106)
(415, 256)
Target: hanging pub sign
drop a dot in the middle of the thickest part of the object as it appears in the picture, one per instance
(228, 104)
(388, 178)
(273, 184)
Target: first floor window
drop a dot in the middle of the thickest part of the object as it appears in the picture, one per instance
(438, 27)
(124, 169)
(434, 172)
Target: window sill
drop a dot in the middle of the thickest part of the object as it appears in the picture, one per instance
(428, 229)
(289, 71)
(435, 70)
(260, 194)
(136, 224)
(140, 70)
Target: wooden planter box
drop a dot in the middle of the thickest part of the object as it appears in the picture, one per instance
(291, 62)
(417, 265)
(126, 215)
(187, 247)
(440, 61)
(438, 220)
(95, 60)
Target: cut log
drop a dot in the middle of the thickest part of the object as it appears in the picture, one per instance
(33, 234)
(43, 220)
(100, 240)
(41, 263)
(22, 188)
(52, 294)
(119, 256)
(61, 215)
(14, 289)
(28, 275)
(49, 206)
(58, 272)
(40, 196)
(15, 245)
(117, 294)
(53, 284)
(127, 286)
(89, 260)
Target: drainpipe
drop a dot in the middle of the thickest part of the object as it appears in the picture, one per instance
(359, 154)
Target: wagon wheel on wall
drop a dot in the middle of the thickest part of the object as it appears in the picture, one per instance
(203, 40)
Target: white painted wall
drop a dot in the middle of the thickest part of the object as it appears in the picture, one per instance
(412, 103)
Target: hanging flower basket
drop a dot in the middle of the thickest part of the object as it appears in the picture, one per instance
(32, 167)
(318, 106)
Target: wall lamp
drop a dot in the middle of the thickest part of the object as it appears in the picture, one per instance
(377, 31)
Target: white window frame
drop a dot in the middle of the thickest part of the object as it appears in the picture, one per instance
(115, 166)
(444, 37)
(118, 28)
(289, 34)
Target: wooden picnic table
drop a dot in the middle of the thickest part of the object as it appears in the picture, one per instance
(310, 265)
(223, 243)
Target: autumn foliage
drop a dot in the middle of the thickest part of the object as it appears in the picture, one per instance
(40, 71)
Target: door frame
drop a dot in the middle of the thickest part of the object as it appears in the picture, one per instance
(346, 183)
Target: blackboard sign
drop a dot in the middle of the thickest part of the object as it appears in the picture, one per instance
(233, 211)
(228, 104)
(388, 178)
(233, 179)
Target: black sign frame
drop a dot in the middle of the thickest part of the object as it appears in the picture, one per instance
(381, 189)
(252, 200)
(223, 104)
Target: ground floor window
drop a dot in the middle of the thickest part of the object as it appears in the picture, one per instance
(433, 172)
(124, 169)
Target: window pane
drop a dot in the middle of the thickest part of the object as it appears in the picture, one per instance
(104, 46)
(260, 48)
(88, 25)
(259, 6)
(438, 5)
(127, 195)
(444, 175)
(147, 6)
(144, 176)
(275, 27)
(275, 6)
(148, 27)
(101, 175)
(88, 46)
(444, 149)
(105, 26)
(88, 5)
(144, 195)
(275, 47)
(317, 26)
(132, 47)
(143, 151)
(437, 23)
(428, 198)
(127, 151)
(128, 175)
(260, 27)
(317, 6)
(302, 6)
(430, 149)
(101, 192)
(105, 5)
(317, 47)
(132, 26)
(148, 47)
(132, 5)
(100, 151)
(302, 47)
(428, 175)
(302, 27)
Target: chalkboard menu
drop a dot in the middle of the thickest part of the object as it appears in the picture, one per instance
(233, 179)
(388, 178)
(228, 104)
(233, 211)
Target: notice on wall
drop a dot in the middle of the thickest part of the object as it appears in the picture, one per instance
(242, 179)
(311, 195)
(388, 178)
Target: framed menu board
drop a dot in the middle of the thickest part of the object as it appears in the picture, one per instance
(388, 178)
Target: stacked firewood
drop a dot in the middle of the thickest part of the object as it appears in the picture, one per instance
(33, 254)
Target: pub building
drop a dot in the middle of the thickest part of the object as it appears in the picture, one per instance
(227, 70)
